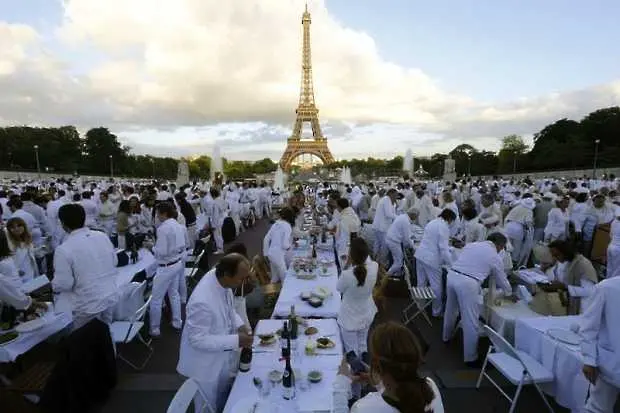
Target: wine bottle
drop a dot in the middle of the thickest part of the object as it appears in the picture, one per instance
(324, 236)
(245, 361)
(288, 388)
(284, 341)
(314, 251)
(294, 326)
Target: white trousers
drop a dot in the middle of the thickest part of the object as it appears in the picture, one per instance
(217, 236)
(192, 235)
(426, 273)
(463, 296)
(166, 281)
(613, 260)
(379, 244)
(355, 340)
(236, 217)
(396, 250)
(277, 266)
(603, 396)
(539, 234)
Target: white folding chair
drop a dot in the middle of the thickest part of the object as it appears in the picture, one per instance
(124, 332)
(184, 397)
(518, 367)
(421, 298)
(191, 271)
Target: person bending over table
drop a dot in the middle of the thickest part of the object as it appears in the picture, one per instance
(395, 359)
(213, 332)
(574, 277)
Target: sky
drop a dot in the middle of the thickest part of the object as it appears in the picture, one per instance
(176, 77)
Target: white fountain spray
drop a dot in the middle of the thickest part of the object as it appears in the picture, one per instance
(217, 165)
(408, 163)
(279, 179)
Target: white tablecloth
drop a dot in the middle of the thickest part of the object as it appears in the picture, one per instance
(317, 397)
(327, 328)
(146, 261)
(564, 361)
(502, 318)
(292, 287)
(56, 322)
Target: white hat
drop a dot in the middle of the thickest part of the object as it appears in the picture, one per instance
(549, 195)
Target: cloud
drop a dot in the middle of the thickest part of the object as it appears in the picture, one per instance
(178, 76)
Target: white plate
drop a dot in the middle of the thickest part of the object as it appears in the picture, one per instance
(565, 336)
(31, 325)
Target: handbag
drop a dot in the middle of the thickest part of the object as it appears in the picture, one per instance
(546, 304)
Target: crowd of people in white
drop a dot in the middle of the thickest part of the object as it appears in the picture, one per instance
(70, 230)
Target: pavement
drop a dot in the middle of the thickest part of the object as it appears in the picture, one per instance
(151, 390)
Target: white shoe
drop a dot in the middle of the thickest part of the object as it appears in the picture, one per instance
(154, 333)
(218, 252)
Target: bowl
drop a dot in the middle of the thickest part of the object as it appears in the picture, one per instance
(315, 376)
(315, 302)
(275, 376)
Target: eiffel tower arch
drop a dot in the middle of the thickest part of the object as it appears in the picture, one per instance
(306, 112)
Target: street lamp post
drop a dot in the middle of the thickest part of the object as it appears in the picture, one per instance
(111, 167)
(469, 164)
(596, 142)
(36, 155)
(153, 166)
(514, 163)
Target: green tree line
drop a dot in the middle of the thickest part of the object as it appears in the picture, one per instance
(564, 144)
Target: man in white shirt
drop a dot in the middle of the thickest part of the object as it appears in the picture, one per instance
(476, 262)
(169, 250)
(385, 214)
(84, 270)
(398, 237)
(600, 347)
(214, 332)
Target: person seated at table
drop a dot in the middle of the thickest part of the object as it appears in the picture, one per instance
(574, 276)
(84, 270)
(213, 332)
(600, 347)
(395, 358)
(10, 282)
(357, 309)
(246, 288)
(278, 242)
(476, 262)
(398, 237)
(472, 229)
(20, 242)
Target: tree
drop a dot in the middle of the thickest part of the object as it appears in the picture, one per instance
(512, 148)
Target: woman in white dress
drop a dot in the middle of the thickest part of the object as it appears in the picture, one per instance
(613, 250)
(557, 221)
(277, 242)
(22, 248)
(395, 359)
(358, 309)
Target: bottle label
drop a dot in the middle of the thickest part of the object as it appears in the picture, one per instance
(244, 367)
(287, 393)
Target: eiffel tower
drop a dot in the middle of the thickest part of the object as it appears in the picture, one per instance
(306, 111)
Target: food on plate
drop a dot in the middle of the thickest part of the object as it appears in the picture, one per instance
(321, 292)
(305, 296)
(324, 342)
(7, 337)
(315, 302)
(311, 330)
(267, 339)
(315, 376)
(275, 376)
(268, 336)
(257, 381)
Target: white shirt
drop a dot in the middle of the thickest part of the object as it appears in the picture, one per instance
(434, 250)
(557, 224)
(85, 272)
(473, 231)
(91, 211)
(278, 238)
(358, 308)
(10, 286)
(479, 260)
(385, 214)
(600, 330)
(400, 230)
(170, 244)
(30, 221)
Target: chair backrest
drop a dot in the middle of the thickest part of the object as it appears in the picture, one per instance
(184, 397)
(141, 312)
(502, 346)
(407, 275)
(197, 262)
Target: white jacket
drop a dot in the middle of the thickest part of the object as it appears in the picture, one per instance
(357, 309)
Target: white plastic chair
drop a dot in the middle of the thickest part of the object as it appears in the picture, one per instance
(124, 332)
(184, 397)
(421, 297)
(516, 366)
